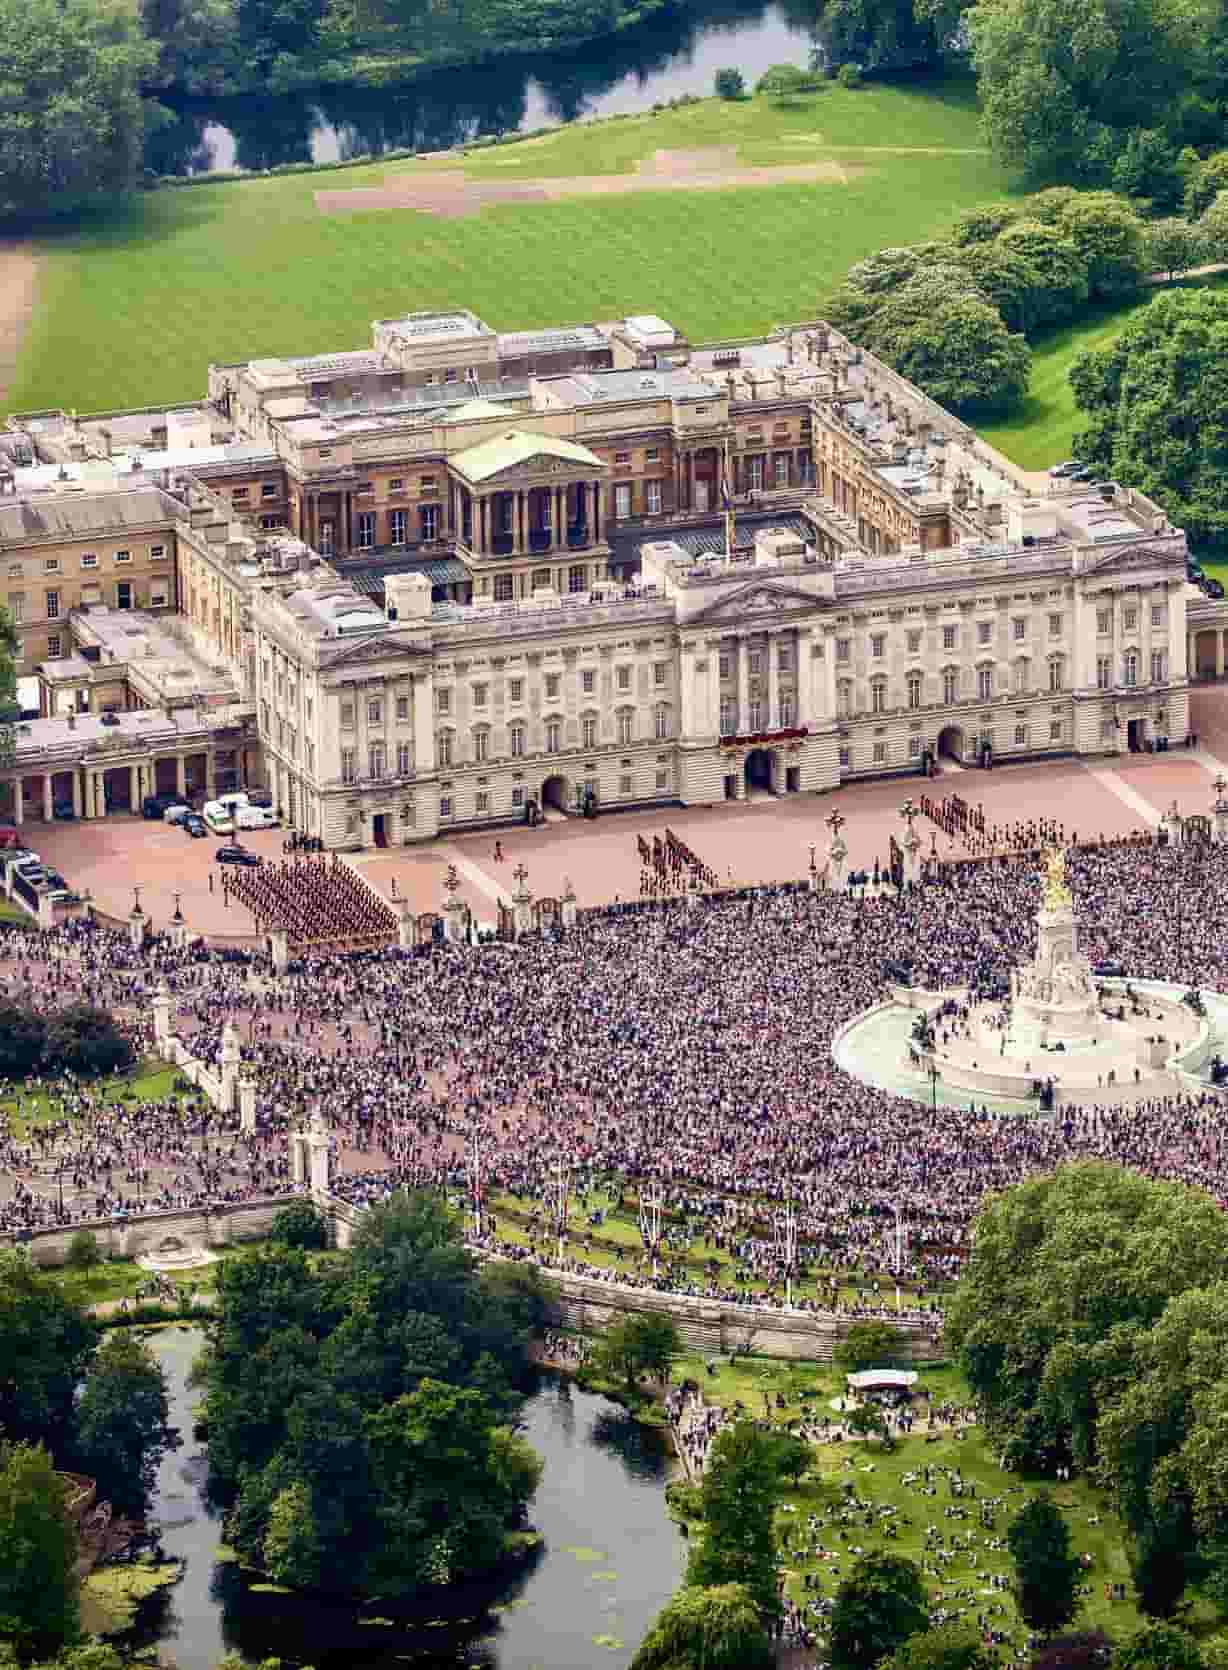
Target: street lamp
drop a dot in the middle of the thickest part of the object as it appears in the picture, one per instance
(933, 1075)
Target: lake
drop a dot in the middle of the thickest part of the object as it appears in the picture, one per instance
(673, 54)
(610, 1559)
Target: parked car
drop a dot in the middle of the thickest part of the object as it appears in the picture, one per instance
(154, 805)
(255, 817)
(260, 797)
(194, 825)
(176, 813)
(1068, 468)
(237, 855)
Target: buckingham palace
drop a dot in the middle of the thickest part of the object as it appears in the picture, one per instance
(465, 576)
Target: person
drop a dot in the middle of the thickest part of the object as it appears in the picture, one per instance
(498, 852)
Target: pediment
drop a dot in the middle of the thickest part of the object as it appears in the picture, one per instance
(756, 597)
(376, 648)
(539, 465)
(1164, 552)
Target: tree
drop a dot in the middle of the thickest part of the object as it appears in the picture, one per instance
(292, 1550)
(22, 1035)
(1149, 167)
(195, 44)
(869, 1420)
(72, 120)
(1008, 279)
(1158, 1647)
(950, 1647)
(1047, 1570)
(961, 354)
(880, 34)
(872, 1344)
(1062, 1273)
(85, 1039)
(849, 76)
(1088, 1649)
(272, 34)
(729, 84)
(784, 82)
(1213, 228)
(301, 1224)
(83, 1251)
(1109, 237)
(38, 1554)
(635, 1345)
(1173, 246)
(716, 1628)
(738, 1498)
(123, 1423)
(1055, 76)
(1061, 283)
(1205, 184)
(45, 1344)
(880, 1604)
(1155, 402)
(982, 225)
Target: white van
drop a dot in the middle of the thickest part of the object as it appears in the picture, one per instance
(233, 800)
(218, 818)
(255, 817)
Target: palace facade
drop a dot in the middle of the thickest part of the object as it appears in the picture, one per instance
(419, 587)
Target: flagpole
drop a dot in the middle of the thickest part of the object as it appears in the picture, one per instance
(728, 491)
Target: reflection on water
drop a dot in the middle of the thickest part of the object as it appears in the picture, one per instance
(610, 1559)
(672, 55)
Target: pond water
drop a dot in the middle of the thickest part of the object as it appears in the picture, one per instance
(672, 54)
(610, 1559)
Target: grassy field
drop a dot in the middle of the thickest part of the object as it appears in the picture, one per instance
(1041, 432)
(883, 1480)
(23, 1109)
(135, 305)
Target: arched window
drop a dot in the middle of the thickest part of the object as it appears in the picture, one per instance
(950, 685)
(914, 689)
(661, 722)
(554, 735)
(984, 684)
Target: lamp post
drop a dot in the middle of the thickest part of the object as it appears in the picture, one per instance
(910, 812)
(650, 1223)
(932, 1073)
(786, 1248)
(897, 1252)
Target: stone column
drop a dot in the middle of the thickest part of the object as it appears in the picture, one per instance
(771, 647)
(317, 1147)
(687, 726)
(77, 805)
(46, 912)
(1219, 653)
(19, 800)
(136, 927)
(837, 855)
(595, 535)
(210, 774)
(134, 787)
(162, 1018)
(298, 1156)
(231, 1058)
(48, 800)
(247, 1105)
(742, 697)
(567, 903)
(181, 775)
(405, 925)
(424, 722)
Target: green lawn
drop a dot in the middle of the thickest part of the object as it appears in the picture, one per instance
(1041, 432)
(878, 1479)
(134, 306)
(151, 1083)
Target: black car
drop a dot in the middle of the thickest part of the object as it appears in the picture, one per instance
(194, 825)
(154, 805)
(236, 855)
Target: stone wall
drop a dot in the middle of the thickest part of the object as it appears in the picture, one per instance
(222, 1225)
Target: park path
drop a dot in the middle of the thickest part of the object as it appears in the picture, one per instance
(19, 272)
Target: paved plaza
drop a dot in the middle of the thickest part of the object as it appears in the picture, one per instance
(763, 840)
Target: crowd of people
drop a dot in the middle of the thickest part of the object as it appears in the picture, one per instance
(686, 1047)
(316, 899)
(668, 865)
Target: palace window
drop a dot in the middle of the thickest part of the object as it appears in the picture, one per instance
(623, 678)
(588, 680)
(914, 689)
(626, 725)
(984, 628)
(554, 736)
(788, 712)
(878, 646)
(515, 737)
(878, 696)
(950, 686)
(1019, 627)
(396, 528)
(1104, 621)
(404, 759)
(53, 605)
(1157, 614)
(622, 498)
(588, 728)
(347, 716)
(948, 637)
(1057, 673)
(375, 711)
(1055, 730)
(1130, 620)
(844, 696)
(443, 700)
(577, 577)
(754, 716)
(661, 723)
(376, 760)
(984, 684)
(445, 749)
(1021, 736)
(348, 770)
(1022, 671)
(1055, 626)
(659, 672)
(366, 530)
(503, 588)
(880, 753)
(754, 663)
(402, 708)
(914, 643)
(481, 801)
(728, 717)
(842, 650)
(724, 666)
(1159, 671)
(1104, 672)
(445, 808)
(1130, 667)
(479, 695)
(552, 686)
(652, 497)
(54, 646)
(481, 745)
